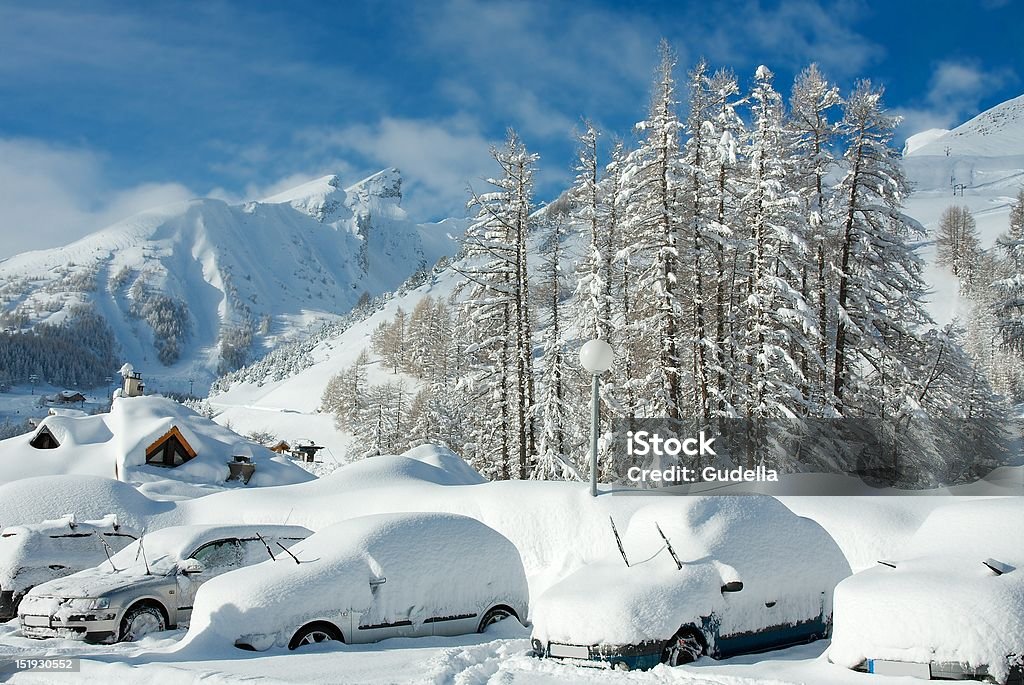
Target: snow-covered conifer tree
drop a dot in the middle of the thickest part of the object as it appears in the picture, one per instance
(498, 305)
(653, 180)
(879, 284)
(813, 134)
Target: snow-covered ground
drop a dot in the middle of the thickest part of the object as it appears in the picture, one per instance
(557, 528)
(498, 656)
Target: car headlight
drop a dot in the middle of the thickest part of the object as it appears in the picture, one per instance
(89, 604)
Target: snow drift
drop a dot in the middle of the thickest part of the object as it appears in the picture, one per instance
(941, 603)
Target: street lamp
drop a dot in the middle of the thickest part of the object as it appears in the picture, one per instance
(596, 357)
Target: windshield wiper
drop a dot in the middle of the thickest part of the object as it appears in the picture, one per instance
(106, 549)
(289, 553)
(142, 550)
(269, 551)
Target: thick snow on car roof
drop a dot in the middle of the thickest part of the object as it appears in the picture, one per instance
(427, 559)
(755, 540)
(942, 604)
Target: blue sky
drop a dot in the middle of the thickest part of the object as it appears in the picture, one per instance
(106, 109)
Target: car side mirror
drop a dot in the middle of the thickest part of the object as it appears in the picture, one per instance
(191, 566)
(732, 586)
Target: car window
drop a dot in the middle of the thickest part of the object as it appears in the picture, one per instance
(254, 551)
(220, 555)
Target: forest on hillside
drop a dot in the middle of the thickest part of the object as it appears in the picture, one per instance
(749, 260)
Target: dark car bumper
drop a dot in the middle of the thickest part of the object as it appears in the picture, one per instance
(636, 657)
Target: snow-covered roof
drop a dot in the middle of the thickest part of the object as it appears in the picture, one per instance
(114, 445)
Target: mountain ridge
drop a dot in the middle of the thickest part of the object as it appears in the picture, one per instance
(198, 287)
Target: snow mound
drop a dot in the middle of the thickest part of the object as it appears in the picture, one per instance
(116, 444)
(432, 564)
(942, 604)
(392, 469)
(32, 500)
(778, 556)
(446, 460)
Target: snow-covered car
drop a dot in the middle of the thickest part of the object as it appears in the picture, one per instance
(951, 608)
(35, 553)
(694, 576)
(149, 585)
(367, 579)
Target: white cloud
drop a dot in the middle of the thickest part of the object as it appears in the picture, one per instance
(51, 195)
(795, 32)
(956, 90)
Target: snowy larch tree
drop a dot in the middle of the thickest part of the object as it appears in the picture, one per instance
(879, 284)
(498, 305)
(652, 224)
(554, 458)
(813, 135)
(1009, 305)
(957, 244)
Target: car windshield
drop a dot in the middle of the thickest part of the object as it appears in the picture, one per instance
(131, 560)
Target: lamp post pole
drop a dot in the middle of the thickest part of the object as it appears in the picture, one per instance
(595, 426)
(596, 357)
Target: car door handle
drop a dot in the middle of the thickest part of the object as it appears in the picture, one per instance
(770, 604)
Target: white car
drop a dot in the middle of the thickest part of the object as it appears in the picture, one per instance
(35, 553)
(150, 585)
(694, 576)
(951, 608)
(368, 579)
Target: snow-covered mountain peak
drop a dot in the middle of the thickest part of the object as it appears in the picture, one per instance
(201, 287)
(986, 152)
(385, 184)
(996, 132)
(321, 198)
(919, 140)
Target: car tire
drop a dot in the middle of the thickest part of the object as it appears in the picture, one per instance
(141, 620)
(313, 633)
(685, 647)
(493, 615)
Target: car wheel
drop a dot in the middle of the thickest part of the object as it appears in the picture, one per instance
(685, 647)
(140, 621)
(313, 633)
(494, 615)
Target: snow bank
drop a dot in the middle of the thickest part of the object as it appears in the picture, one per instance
(114, 445)
(867, 528)
(446, 460)
(778, 556)
(434, 565)
(32, 500)
(941, 604)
